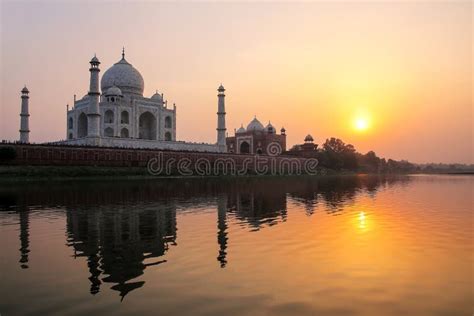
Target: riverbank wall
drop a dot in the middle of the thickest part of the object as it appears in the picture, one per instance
(157, 162)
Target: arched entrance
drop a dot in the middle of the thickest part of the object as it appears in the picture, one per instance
(168, 123)
(245, 148)
(109, 132)
(124, 133)
(82, 126)
(109, 116)
(167, 136)
(147, 126)
(124, 119)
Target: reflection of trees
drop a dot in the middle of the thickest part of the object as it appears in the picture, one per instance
(257, 202)
(337, 191)
(120, 243)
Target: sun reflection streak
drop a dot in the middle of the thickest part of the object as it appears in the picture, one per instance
(362, 221)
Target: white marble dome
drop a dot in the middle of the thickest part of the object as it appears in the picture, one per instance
(124, 76)
(157, 97)
(255, 125)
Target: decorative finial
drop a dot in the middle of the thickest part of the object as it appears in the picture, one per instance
(123, 52)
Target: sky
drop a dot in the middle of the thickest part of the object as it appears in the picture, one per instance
(402, 68)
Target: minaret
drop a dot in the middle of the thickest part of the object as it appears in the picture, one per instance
(24, 117)
(93, 115)
(221, 120)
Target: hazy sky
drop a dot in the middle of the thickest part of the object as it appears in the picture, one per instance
(405, 67)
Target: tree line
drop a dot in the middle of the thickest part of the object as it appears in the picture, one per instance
(337, 155)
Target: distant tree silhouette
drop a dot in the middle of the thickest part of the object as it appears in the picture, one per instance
(370, 162)
(337, 155)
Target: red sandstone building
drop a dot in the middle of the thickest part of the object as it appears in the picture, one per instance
(307, 150)
(257, 139)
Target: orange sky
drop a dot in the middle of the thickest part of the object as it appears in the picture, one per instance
(310, 67)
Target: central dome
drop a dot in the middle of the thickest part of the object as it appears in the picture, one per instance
(123, 76)
(255, 125)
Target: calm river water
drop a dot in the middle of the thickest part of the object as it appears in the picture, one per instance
(354, 245)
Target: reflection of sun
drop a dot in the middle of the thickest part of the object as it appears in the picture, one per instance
(362, 222)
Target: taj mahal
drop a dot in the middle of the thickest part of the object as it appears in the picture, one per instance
(118, 115)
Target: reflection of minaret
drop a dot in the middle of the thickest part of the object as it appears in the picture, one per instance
(222, 227)
(93, 257)
(24, 237)
(84, 234)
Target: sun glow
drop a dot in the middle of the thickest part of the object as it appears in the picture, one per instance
(361, 124)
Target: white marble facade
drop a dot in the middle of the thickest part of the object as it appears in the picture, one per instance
(127, 118)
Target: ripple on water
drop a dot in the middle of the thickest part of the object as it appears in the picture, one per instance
(296, 246)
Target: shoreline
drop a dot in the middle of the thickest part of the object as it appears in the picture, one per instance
(70, 173)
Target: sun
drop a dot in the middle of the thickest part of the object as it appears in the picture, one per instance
(361, 124)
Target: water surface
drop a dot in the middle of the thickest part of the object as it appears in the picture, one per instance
(256, 246)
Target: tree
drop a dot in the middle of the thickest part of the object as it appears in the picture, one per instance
(338, 155)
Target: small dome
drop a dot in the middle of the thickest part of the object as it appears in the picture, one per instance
(255, 125)
(157, 97)
(221, 88)
(308, 139)
(241, 129)
(269, 128)
(25, 90)
(114, 90)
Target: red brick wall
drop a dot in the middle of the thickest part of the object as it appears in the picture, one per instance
(58, 155)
